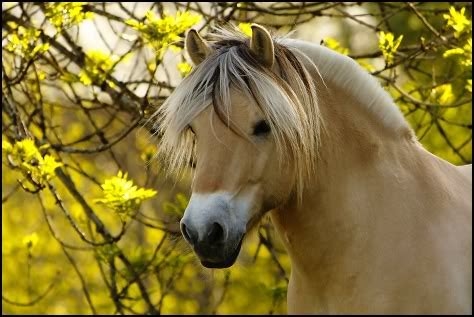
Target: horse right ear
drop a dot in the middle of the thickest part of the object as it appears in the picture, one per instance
(197, 47)
(261, 45)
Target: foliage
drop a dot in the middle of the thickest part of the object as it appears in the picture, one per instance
(83, 228)
(97, 65)
(64, 15)
(24, 41)
(162, 33)
(26, 157)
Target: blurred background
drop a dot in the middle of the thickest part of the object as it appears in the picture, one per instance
(89, 214)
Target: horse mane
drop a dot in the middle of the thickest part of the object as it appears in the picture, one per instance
(288, 100)
(347, 74)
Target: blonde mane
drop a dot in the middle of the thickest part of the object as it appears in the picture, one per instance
(346, 74)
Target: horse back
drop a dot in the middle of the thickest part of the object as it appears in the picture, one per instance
(466, 170)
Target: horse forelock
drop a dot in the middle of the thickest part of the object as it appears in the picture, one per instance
(288, 100)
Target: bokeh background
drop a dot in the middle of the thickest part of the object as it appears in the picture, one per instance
(89, 214)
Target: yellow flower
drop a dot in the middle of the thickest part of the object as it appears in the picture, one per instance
(245, 28)
(6, 146)
(64, 15)
(31, 240)
(389, 45)
(333, 44)
(25, 42)
(25, 156)
(468, 85)
(184, 69)
(453, 51)
(465, 51)
(47, 166)
(121, 195)
(151, 66)
(457, 20)
(24, 151)
(443, 94)
(97, 65)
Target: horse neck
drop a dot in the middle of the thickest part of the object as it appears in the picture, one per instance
(357, 154)
(353, 148)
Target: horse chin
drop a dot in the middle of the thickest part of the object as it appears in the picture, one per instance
(225, 263)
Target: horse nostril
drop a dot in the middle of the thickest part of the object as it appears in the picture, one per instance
(188, 234)
(216, 234)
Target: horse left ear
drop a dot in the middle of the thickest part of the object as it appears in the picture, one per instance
(261, 45)
(197, 47)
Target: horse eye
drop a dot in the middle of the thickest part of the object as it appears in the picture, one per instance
(261, 128)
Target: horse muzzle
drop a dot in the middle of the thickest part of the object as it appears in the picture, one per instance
(215, 224)
(220, 259)
(215, 246)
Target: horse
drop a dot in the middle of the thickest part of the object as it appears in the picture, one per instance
(372, 221)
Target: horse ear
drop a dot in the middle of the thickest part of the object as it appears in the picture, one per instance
(261, 45)
(197, 47)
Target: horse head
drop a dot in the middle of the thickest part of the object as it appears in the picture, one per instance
(241, 112)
